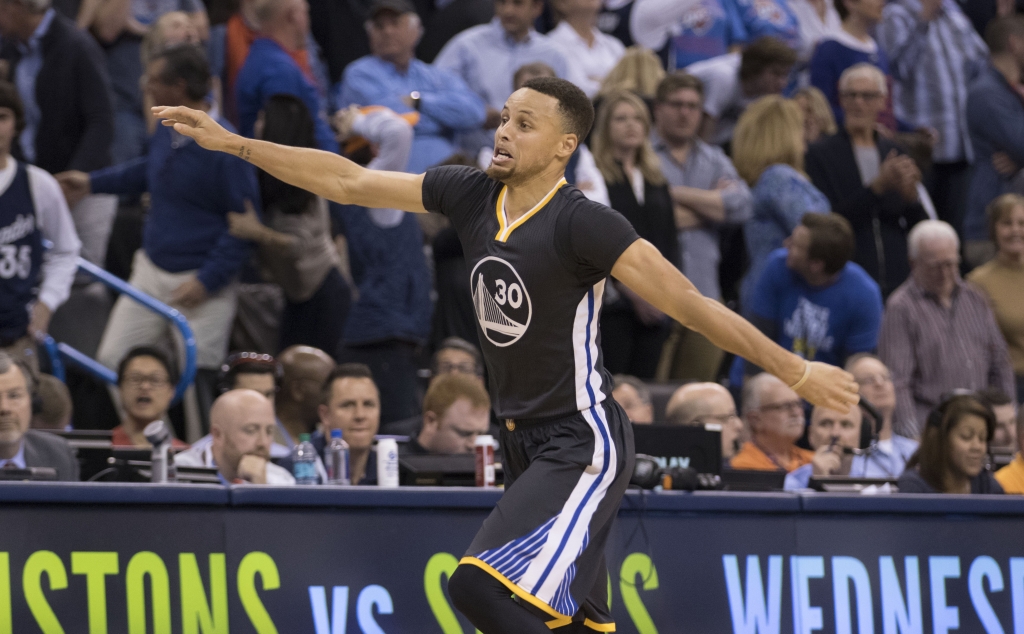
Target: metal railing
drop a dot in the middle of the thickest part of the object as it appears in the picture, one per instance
(60, 352)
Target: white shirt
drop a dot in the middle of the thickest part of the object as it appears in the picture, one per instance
(587, 64)
(812, 28)
(203, 457)
(18, 460)
(61, 261)
(723, 95)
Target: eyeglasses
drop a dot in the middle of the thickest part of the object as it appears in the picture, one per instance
(852, 95)
(788, 406)
(457, 368)
(874, 379)
(155, 380)
(721, 419)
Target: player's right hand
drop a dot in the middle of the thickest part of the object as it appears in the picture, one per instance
(195, 124)
(830, 387)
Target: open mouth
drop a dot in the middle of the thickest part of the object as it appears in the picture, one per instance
(500, 156)
(143, 400)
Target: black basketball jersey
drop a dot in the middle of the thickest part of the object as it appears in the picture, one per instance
(537, 287)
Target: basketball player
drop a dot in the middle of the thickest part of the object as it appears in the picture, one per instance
(539, 254)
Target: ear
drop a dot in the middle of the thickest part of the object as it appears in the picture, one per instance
(323, 411)
(430, 422)
(567, 146)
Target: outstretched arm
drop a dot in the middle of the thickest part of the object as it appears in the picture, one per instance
(328, 175)
(642, 268)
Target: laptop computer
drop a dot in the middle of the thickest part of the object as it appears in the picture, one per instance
(681, 446)
(441, 470)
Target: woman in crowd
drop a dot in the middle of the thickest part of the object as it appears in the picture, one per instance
(295, 243)
(1002, 278)
(633, 331)
(888, 455)
(639, 71)
(819, 122)
(953, 450)
(768, 152)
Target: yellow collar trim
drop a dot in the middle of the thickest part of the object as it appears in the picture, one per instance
(504, 229)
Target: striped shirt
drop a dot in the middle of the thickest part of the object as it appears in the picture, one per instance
(932, 64)
(931, 350)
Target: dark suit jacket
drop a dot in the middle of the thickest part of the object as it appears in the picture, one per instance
(877, 220)
(76, 126)
(43, 449)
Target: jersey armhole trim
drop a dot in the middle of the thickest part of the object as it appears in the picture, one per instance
(559, 618)
(504, 229)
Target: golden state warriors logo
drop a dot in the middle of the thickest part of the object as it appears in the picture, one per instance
(502, 304)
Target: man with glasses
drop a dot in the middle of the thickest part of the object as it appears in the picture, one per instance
(889, 452)
(458, 356)
(775, 418)
(938, 333)
(704, 404)
(145, 382)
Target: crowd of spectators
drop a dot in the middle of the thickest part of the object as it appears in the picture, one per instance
(847, 174)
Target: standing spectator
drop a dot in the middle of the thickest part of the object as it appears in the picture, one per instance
(188, 259)
(487, 56)
(392, 77)
(297, 404)
(1011, 477)
(774, 415)
(61, 76)
(769, 149)
(888, 455)
(934, 52)
(819, 122)
(868, 180)
(818, 20)
(349, 401)
(769, 18)
(995, 119)
(456, 409)
(295, 245)
(1002, 279)
(954, 447)
(938, 332)
(278, 63)
(694, 30)
(32, 209)
(589, 53)
(145, 382)
(733, 81)
(635, 398)
(449, 18)
(812, 300)
(120, 26)
(707, 194)
(706, 404)
(633, 331)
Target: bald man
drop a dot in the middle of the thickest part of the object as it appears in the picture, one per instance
(305, 370)
(707, 404)
(242, 424)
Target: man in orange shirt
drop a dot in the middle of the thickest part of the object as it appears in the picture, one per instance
(775, 418)
(1011, 477)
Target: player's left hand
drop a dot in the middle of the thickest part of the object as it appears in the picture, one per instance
(830, 387)
(190, 294)
(39, 322)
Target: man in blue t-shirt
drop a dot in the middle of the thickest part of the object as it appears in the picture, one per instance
(812, 300)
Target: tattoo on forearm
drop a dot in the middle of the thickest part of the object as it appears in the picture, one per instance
(245, 153)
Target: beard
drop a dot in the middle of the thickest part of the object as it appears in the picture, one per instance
(511, 176)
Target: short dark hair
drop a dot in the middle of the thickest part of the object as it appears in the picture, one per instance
(9, 98)
(248, 363)
(344, 371)
(147, 351)
(678, 80)
(994, 397)
(764, 53)
(1000, 30)
(575, 107)
(186, 62)
(932, 456)
(832, 240)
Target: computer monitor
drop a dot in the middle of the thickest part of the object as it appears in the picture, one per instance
(441, 470)
(752, 480)
(681, 446)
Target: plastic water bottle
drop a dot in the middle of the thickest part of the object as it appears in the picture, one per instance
(337, 460)
(304, 461)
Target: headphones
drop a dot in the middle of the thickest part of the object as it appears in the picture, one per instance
(936, 416)
(232, 365)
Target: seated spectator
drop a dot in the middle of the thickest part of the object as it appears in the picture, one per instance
(278, 64)
(298, 400)
(812, 300)
(733, 81)
(953, 452)
(633, 331)
(188, 259)
(934, 52)
(456, 410)
(830, 433)
(691, 31)
(819, 122)
(708, 404)
(1005, 411)
(774, 415)
(1002, 278)
(589, 53)
(392, 77)
(639, 72)
(889, 452)
(635, 399)
(145, 382)
(21, 447)
(995, 121)
(295, 246)
(852, 44)
(868, 180)
(242, 425)
(769, 154)
(68, 121)
(55, 407)
(455, 355)
(1011, 477)
(32, 210)
(487, 56)
(938, 333)
(350, 402)
(709, 197)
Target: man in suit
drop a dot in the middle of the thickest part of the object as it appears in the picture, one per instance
(21, 447)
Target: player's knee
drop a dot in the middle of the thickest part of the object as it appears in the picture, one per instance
(464, 587)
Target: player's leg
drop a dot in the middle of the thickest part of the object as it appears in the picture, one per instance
(490, 606)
